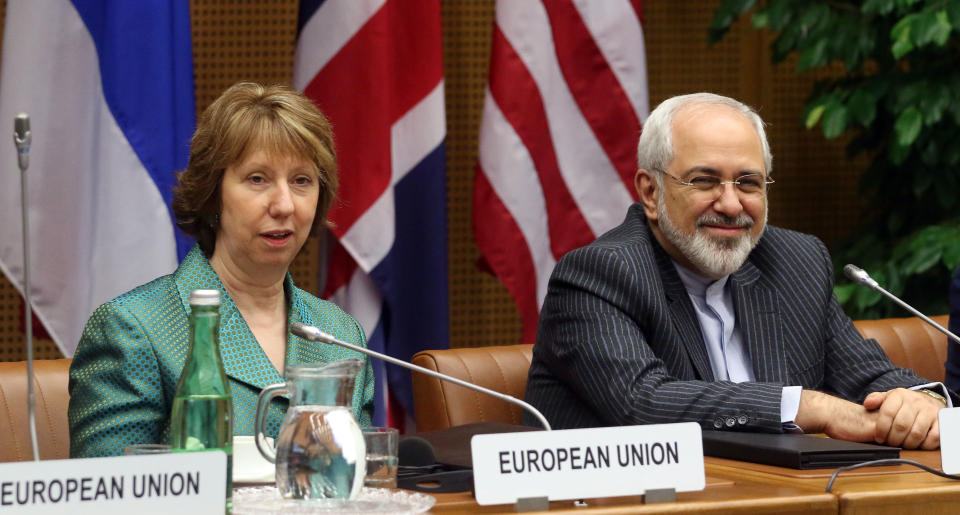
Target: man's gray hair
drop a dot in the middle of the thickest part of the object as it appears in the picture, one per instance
(655, 148)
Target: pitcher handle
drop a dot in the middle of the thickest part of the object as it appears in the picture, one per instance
(268, 450)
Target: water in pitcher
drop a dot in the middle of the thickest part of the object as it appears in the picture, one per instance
(320, 453)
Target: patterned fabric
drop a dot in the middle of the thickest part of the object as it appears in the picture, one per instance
(124, 373)
(619, 342)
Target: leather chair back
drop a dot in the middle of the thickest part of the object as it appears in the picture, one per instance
(910, 343)
(51, 398)
(441, 404)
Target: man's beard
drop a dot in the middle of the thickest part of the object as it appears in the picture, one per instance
(715, 256)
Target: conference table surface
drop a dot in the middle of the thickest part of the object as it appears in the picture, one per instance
(741, 487)
(897, 489)
(720, 496)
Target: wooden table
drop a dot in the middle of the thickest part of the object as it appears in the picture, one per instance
(720, 496)
(899, 489)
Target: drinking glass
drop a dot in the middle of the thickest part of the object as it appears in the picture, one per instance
(382, 443)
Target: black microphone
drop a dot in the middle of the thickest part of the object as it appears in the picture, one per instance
(21, 138)
(413, 451)
(311, 333)
(860, 276)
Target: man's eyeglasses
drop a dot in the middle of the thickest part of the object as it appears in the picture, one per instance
(750, 184)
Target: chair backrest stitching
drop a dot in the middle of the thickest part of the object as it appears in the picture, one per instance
(20, 453)
(476, 394)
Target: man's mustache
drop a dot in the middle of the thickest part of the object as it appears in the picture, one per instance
(742, 221)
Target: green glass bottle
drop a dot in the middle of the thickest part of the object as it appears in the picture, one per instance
(202, 414)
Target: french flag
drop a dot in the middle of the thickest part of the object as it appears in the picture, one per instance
(108, 86)
(374, 67)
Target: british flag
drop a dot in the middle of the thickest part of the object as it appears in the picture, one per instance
(374, 67)
(566, 98)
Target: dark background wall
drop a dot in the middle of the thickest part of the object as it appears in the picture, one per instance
(815, 190)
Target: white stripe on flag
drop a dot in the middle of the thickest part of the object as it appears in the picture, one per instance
(98, 223)
(361, 299)
(600, 194)
(415, 135)
(619, 35)
(326, 32)
(511, 172)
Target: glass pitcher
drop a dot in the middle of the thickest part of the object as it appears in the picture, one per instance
(320, 453)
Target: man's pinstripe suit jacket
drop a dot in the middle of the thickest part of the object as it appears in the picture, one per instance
(619, 343)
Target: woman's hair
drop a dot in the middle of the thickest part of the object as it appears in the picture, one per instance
(249, 117)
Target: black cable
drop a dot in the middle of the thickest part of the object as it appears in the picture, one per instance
(892, 461)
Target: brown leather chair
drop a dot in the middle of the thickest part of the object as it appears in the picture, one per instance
(909, 342)
(51, 399)
(440, 404)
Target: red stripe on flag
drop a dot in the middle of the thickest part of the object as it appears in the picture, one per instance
(340, 268)
(375, 79)
(638, 8)
(502, 244)
(518, 97)
(596, 89)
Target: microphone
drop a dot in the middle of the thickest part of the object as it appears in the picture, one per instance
(21, 139)
(311, 333)
(860, 276)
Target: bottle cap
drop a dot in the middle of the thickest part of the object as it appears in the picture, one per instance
(204, 298)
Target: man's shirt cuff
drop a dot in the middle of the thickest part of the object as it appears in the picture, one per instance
(790, 404)
(937, 387)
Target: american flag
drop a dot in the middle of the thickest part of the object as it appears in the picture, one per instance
(374, 67)
(566, 98)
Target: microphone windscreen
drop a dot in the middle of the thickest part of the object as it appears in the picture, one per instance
(853, 272)
(413, 451)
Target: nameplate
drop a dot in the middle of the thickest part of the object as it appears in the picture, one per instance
(193, 482)
(587, 463)
(950, 440)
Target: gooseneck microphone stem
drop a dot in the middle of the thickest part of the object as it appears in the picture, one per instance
(22, 139)
(309, 332)
(860, 276)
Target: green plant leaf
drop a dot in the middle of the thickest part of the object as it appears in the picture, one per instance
(908, 126)
(951, 250)
(934, 102)
(813, 56)
(921, 260)
(834, 120)
(814, 116)
(941, 32)
(864, 298)
(863, 107)
(900, 35)
(844, 292)
(725, 15)
(923, 27)
(877, 6)
(778, 14)
(760, 20)
(898, 153)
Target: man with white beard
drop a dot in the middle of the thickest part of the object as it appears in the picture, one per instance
(694, 310)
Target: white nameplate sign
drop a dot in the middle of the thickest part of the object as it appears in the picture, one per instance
(950, 440)
(587, 463)
(193, 482)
